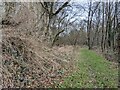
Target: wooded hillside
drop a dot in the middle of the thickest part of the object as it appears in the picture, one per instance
(41, 42)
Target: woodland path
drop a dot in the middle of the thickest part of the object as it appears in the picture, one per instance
(92, 71)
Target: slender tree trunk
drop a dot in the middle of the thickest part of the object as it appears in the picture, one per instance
(102, 42)
(89, 26)
(119, 43)
(106, 27)
(97, 29)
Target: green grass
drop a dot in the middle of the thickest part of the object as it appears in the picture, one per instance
(93, 71)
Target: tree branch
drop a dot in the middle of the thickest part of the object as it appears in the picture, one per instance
(63, 6)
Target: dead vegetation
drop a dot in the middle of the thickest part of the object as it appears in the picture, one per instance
(27, 60)
(30, 29)
(29, 63)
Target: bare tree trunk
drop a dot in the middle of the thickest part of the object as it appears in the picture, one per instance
(48, 8)
(89, 26)
(119, 42)
(109, 25)
(102, 42)
(106, 27)
(97, 28)
(56, 37)
(89, 22)
(118, 49)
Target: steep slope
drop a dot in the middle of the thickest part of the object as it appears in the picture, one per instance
(29, 63)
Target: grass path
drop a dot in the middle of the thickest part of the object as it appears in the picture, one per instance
(93, 71)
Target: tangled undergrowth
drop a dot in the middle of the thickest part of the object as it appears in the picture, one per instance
(27, 63)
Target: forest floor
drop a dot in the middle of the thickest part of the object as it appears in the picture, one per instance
(29, 63)
(92, 71)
